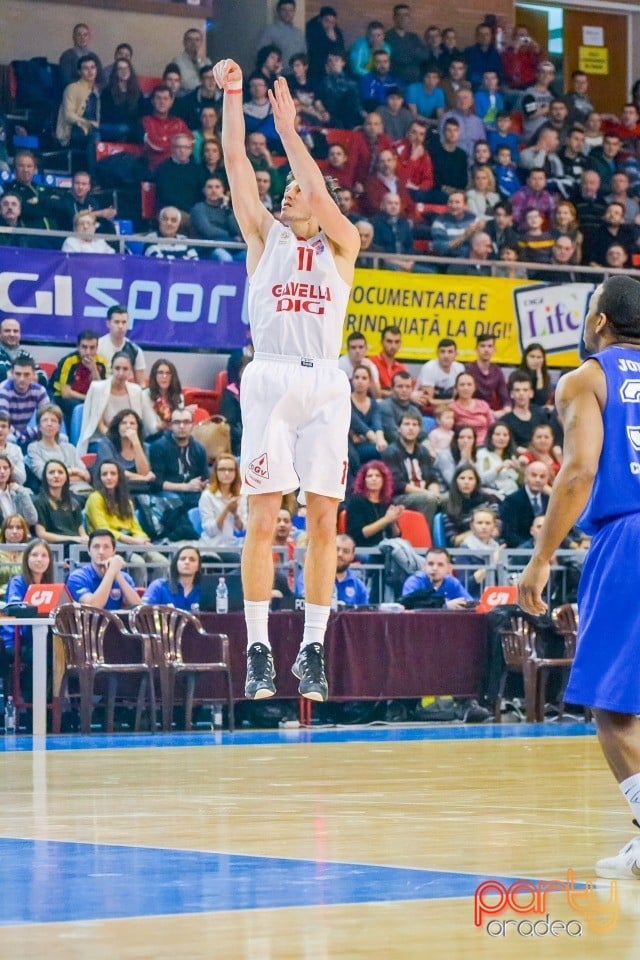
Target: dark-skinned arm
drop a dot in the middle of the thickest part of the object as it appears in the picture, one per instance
(580, 399)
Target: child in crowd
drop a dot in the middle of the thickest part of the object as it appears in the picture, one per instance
(506, 172)
(482, 536)
(535, 244)
(503, 135)
(440, 436)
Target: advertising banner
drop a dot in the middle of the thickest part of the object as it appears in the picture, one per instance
(430, 307)
(171, 303)
(202, 305)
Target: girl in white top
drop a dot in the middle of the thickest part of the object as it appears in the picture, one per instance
(223, 510)
(84, 240)
(105, 398)
(498, 462)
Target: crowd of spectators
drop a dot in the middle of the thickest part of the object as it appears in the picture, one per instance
(473, 153)
(443, 149)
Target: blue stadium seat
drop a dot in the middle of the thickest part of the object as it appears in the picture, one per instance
(196, 522)
(437, 531)
(76, 424)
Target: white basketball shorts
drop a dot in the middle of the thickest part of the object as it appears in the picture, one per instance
(295, 425)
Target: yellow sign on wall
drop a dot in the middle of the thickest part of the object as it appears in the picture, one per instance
(430, 307)
(594, 60)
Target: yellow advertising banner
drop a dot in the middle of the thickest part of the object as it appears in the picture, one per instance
(429, 307)
(594, 60)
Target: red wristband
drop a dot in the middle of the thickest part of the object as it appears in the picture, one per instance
(239, 90)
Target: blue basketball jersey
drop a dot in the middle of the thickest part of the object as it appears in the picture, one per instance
(616, 490)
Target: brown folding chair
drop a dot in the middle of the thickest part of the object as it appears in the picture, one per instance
(521, 656)
(519, 652)
(566, 620)
(164, 629)
(82, 630)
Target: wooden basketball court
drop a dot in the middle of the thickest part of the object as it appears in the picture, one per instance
(347, 843)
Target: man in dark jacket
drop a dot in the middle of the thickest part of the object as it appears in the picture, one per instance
(414, 480)
(180, 462)
(213, 219)
(517, 511)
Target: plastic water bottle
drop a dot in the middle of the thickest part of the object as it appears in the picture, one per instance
(334, 599)
(10, 716)
(217, 716)
(222, 596)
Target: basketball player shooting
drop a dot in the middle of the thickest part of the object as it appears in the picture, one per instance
(295, 400)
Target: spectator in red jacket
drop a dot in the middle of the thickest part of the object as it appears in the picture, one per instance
(414, 161)
(520, 60)
(366, 145)
(160, 128)
(387, 179)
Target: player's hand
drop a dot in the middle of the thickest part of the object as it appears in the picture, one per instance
(532, 582)
(228, 75)
(283, 106)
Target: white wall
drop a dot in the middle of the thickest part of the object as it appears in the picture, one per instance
(31, 29)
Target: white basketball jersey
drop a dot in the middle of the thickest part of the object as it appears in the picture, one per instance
(297, 298)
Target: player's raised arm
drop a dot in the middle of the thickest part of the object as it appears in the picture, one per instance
(340, 231)
(253, 218)
(579, 398)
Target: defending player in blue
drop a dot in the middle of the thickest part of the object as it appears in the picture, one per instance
(599, 405)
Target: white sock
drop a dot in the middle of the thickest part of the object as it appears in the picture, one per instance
(315, 623)
(631, 789)
(256, 615)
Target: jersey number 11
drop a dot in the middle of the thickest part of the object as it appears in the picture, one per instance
(305, 258)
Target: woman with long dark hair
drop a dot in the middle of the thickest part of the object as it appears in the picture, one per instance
(124, 444)
(106, 398)
(37, 567)
(371, 516)
(120, 102)
(164, 392)
(181, 588)
(497, 461)
(59, 513)
(365, 430)
(110, 507)
(465, 495)
(534, 362)
(212, 164)
(209, 121)
(462, 449)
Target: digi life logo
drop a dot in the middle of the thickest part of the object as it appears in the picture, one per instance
(528, 899)
(552, 314)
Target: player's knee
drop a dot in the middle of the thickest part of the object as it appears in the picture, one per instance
(323, 527)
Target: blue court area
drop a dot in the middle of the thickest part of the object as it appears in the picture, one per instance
(253, 738)
(62, 792)
(60, 881)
